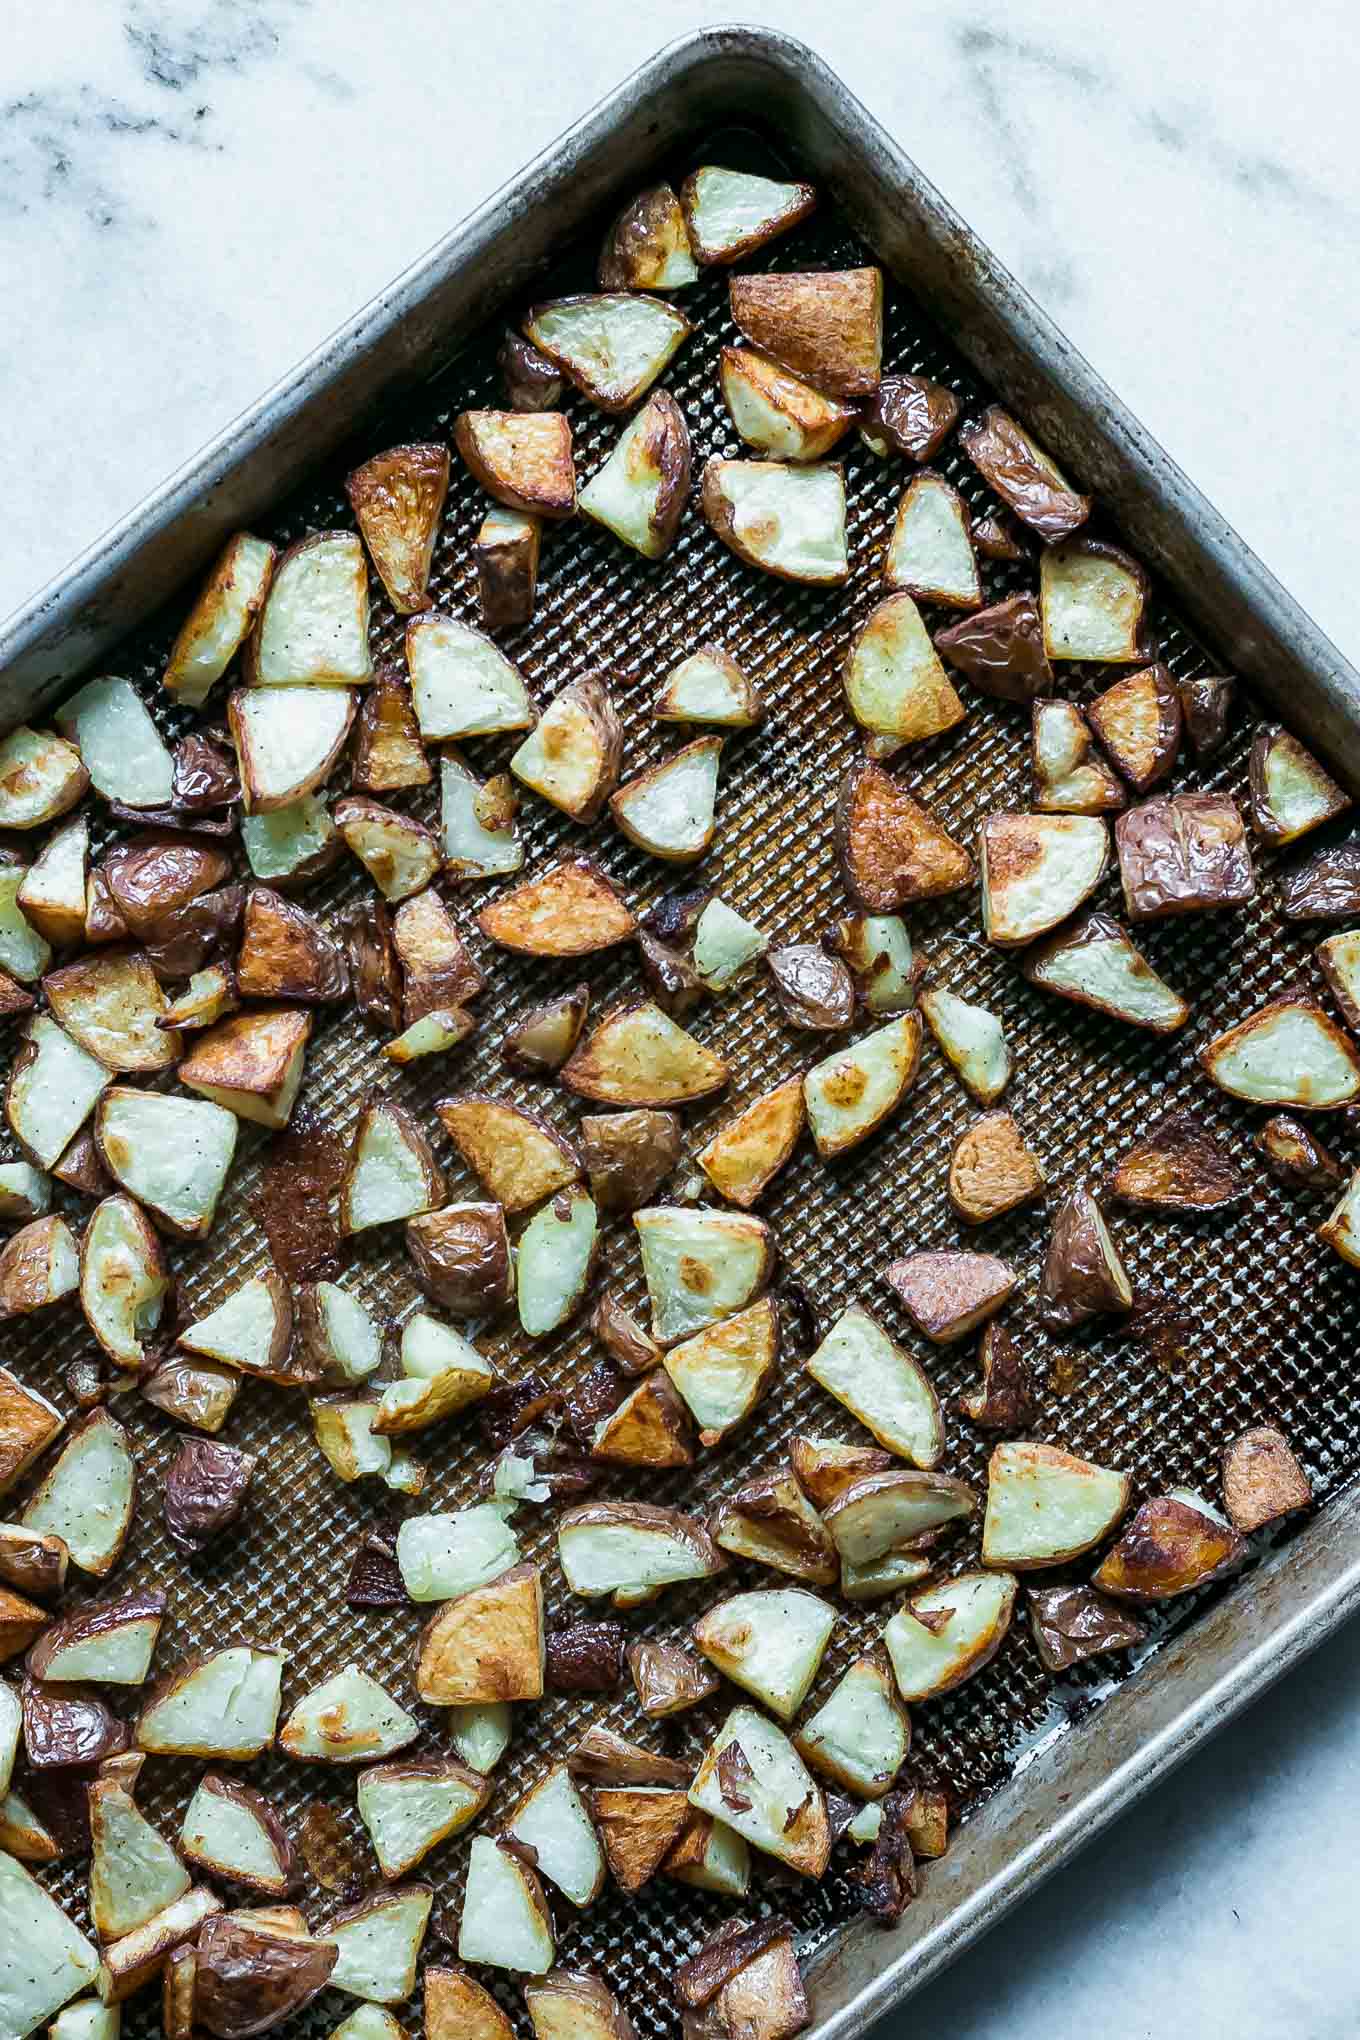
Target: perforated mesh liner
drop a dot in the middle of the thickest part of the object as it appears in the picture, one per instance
(1272, 1311)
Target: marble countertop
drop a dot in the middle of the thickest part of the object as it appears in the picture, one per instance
(190, 198)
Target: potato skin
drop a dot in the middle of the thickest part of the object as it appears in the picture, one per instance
(628, 1155)
(1182, 854)
(1071, 1624)
(911, 416)
(461, 1258)
(1001, 649)
(249, 1980)
(1004, 455)
(891, 850)
(205, 1491)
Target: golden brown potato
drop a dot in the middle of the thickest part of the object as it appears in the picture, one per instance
(388, 754)
(641, 490)
(1295, 1156)
(39, 1265)
(397, 498)
(648, 247)
(522, 458)
(639, 1825)
(488, 1645)
(744, 1156)
(1037, 869)
(786, 519)
(772, 1521)
(570, 910)
(41, 777)
(506, 554)
(220, 620)
(439, 971)
(991, 1170)
(639, 1056)
(518, 1157)
(111, 1005)
(825, 324)
(826, 1468)
(1178, 1165)
(539, 1043)
(573, 756)
(1138, 720)
(775, 411)
(399, 853)
(650, 1427)
(1262, 1479)
(286, 953)
(892, 851)
(1173, 1545)
(1005, 1400)
(251, 1063)
(612, 345)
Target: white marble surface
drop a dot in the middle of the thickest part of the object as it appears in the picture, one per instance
(193, 192)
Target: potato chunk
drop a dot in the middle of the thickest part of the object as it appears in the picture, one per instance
(313, 629)
(612, 346)
(731, 213)
(220, 620)
(895, 686)
(824, 324)
(640, 491)
(398, 498)
(786, 519)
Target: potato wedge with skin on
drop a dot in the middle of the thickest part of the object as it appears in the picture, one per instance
(29, 1423)
(348, 1719)
(772, 1522)
(399, 853)
(197, 1392)
(41, 777)
(700, 1266)
(411, 1807)
(639, 1056)
(1295, 1156)
(877, 951)
(45, 1961)
(32, 1561)
(725, 944)
(134, 1872)
(1138, 721)
(667, 1679)
(649, 1428)
(769, 1642)
(439, 972)
(1290, 791)
(478, 835)
(826, 1467)
(338, 1341)
(890, 848)
(397, 498)
(860, 1735)
(1083, 1276)
(230, 1831)
(638, 1826)
(205, 1491)
(1005, 1400)
(135, 1960)
(788, 520)
(744, 1156)
(24, 955)
(388, 754)
(39, 1265)
(171, 1153)
(1071, 1624)
(207, 998)
(124, 1281)
(293, 845)
(630, 1349)
(487, 1645)
(21, 1621)
(518, 1157)
(442, 1373)
(51, 895)
(946, 1634)
(25, 1192)
(709, 687)
(1094, 599)
(1182, 854)
(1262, 1479)
(880, 1384)
(444, 1555)
(731, 213)
(462, 685)
(109, 1642)
(991, 1170)
(973, 1041)
(1046, 1506)
(632, 1550)
(603, 1757)
(1098, 964)
(286, 746)
(1342, 1229)
(522, 458)
(570, 910)
(668, 810)
(949, 1294)
(392, 1173)
(908, 415)
(343, 1428)
(1178, 1165)
(88, 1494)
(554, 1261)
(111, 1004)
(850, 1094)
(753, 1779)
(251, 1063)
(251, 1330)
(539, 1043)
(1070, 776)
(724, 1370)
(253, 1969)
(313, 628)
(506, 1920)
(775, 411)
(648, 245)
(765, 2000)
(1001, 649)
(224, 1704)
(1338, 959)
(380, 1939)
(505, 552)
(457, 2008)
(886, 1514)
(552, 1820)
(119, 745)
(221, 619)
(895, 686)
(286, 953)
(612, 345)
(1174, 1543)
(1027, 481)
(930, 553)
(640, 491)
(1325, 886)
(1036, 869)
(1289, 1052)
(572, 2005)
(573, 756)
(826, 325)
(1206, 706)
(461, 1258)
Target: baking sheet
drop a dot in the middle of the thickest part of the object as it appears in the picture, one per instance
(1259, 1347)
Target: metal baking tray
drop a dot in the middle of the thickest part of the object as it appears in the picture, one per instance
(1033, 1769)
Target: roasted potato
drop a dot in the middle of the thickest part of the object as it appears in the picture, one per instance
(612, 346)
(461, 684)
(895, 686)
(772, 1522)
(570, 910)
(1094, 599)
(461, 1258)
(532, 382)
(39, 1265)
(753, 1778)
(1178, 1165)
(252, 1064)
(826, 325)
(517, 1157)
(640, 491)
(119, 745)
(1289, 1052)
(668, 810)
(1037, 869)
(222, 617)
(709, 687)
(205, 1491)
(638, 1056)
(1001, 649)
(1071, 1624)
(51, 894)
(573, 756)
(1290, 791)
(125, 1284)
(744, 1156)
(286, 953)
(946, 1634)
(648, 246)
(1070, 776)
(776, 412)
(949, 1294)
(287, 745)
(1206, 705)
(392, 1172)
(1175, 1542)
(1183, 853)
(1046, 1506)
(41, 777)
(1083, 1275)
(908, 415)
(1096, 963)
(1024, 477)
(786, 519)
(477, 822)
(1262, 1479)
(505, 551)
(991, 1170)
(850, 1094)
(667, 1679)
(313, 629)
(486, 1645)
(522, 458)
(725, 1369)
(632, 1550)
(397, 498)
(388, 754)
(930, 553)
(883, 1386)
(539, 1043)
(891, 849)
(731, 213)
(88, 1494)
(506, 1920)
(1004, 1400)
(1295, 1156)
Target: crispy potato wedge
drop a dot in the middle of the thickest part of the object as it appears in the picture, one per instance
(1004, 1400)
(1024, 477)
(207, 998)
(1093, 598)
(51, 894)
(252, 1064)
(505, 552)
(517, 1157)
(23, 952)
(742, 1158)
(895, 686)
(570, 910)
(348, 1719)
(409, 1808)
(1097, 964)
(81, 1169)
(891, 849)
(611, 346)
(221, 619)
(287, 747)
(231, 1832)
(930, 553)
(392, 1173)
(973, 1041)
(462, 685)
(1046, 1506)
(573, 756)
(1290, 791)
(53, 1087)
(632, 1550)
(1071, 1624)
(880, 1383)
(826, 1467)
(602, 1757)
(119, 745)
(286, 953)
(21, 1621)
(640, 491)
(522, 458)
(772, 1522)
(251, 1330)
(41, 777)
(1001, 649)
(785, 519)
(638, 1826)
(991, 1170)
(700, 1266)
(506, 1921)
(1289, 1052)
(380, 1939)
(826, 325)
(398, 498)
(1182, 854)
(343, 1429)
(539, 1044)
(709, 687)
(112, 1005)
(725, 1369)
(883, 1514)
(946, 1634)
(1070, 776)
(631, 1349)
(87, 1495)
(1262, 1479)
(910, 416)
(39, 1265)
(731, 213)
(753, 1779)
(552, 1820)
(477, 822)
(1175, 1543)
(439, 972)
(554, 1261)
(461, 1258)
(388, 754)
(125, 1285)
(399, 853)
(949, 1294)
(775, 411)
(1178, 1165)
(668, 810)
(1138, 721)
(134, 1872)
(1036, 869)
(638, 1056)
(860, 1735)
(1325, 887)
(442, 1373)
(648, 246)
(850, 1094)
(487, 1645)
(457, 2008)
(136, 1959)
(650, 1427)
(572, 2005)
(256, 1968)
(338, 1341)
(1083, 1276)
(532, 382)
(1295, 1156)
(313, 629)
